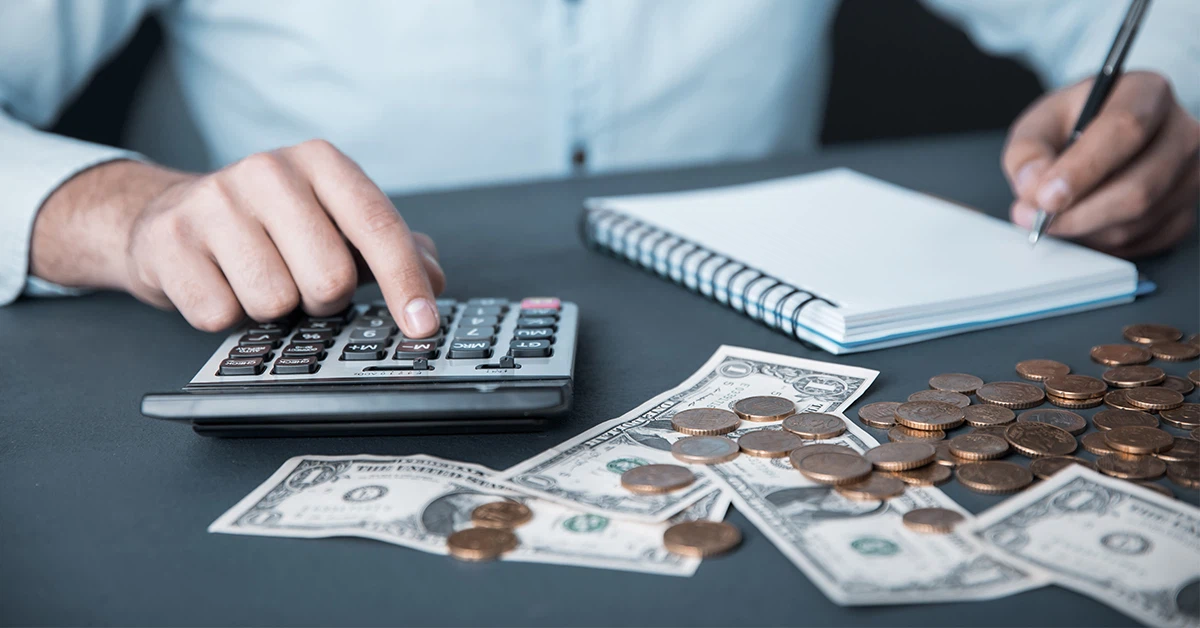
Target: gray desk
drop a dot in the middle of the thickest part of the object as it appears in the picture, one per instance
(103, 513)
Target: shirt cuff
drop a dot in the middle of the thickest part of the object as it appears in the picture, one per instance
(33, 164)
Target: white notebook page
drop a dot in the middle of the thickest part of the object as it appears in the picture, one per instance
(873, 248)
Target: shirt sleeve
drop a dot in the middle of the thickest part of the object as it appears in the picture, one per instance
(1065, 41)
(49, 50)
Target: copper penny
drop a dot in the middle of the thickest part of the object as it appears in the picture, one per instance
(877, 486)
(654, 479)
(1136, 439)
(1041, 370)
(769, 443)
(506, 514)
(479, 544)
(956, 382)
(1185, 417)
(1175, 351)
(1154, 398)
(1065, 419)
(835, 468)
(820, 448)
(701, 539)
(1120, 355)
(705, 422)
(1186, 474)
(1182, 450)
(928, 475)
(1075, 387)
(986, 414)
(1178, 384)
(994, 430)
(932, 520)
(1131, 467)
(1157, 488)
(1133, 376)
(900, 456)
(993, 477)
(943, 457)
(978, 446)
(929, 415)
(1095, 443)
(705, 449)
(1012, 395)
(1043, 468)
(880, 415)
(901, 434)
(1194, 376)
(764, 409)
(1074, 404)
(1117, 399)
(1108, 419)
(958, 400)
(1040, 439)
(814, 425)
(1146, 333)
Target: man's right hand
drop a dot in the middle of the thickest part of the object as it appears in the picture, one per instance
(269, 233)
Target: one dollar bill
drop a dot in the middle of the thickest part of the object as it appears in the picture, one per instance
(1124, 545)
(417, 501)
(584, 473)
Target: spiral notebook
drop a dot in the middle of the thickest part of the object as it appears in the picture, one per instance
(851, 263)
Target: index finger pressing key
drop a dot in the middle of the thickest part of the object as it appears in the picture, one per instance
(373, 225)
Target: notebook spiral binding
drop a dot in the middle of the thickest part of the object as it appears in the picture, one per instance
(727, 281)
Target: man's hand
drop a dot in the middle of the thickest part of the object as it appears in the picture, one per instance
(1129, 184)
(272, 232)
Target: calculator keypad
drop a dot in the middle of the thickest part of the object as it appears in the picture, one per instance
(480, 339)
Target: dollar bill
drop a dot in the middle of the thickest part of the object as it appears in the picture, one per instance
(1121, 544)
(584, 472)
(417, 501)
(860, 552)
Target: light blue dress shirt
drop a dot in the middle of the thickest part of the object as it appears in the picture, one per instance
(445, 93)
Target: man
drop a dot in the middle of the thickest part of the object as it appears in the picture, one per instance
(417, 95)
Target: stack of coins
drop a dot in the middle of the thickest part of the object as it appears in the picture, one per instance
(493, 535)
(1132, 438)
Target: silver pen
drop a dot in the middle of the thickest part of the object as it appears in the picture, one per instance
(1101, 87)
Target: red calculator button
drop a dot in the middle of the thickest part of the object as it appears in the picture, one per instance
(541, 303)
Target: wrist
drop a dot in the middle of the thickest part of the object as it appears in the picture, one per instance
(81, 233)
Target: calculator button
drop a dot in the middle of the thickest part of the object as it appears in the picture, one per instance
(479, 321)
(540, 312)
(483, 310)
(439, 338)
(304, 350)
(378, 311)
(251, 351)
(530, 322)
(541, 333)
(413, 349)
(377, 322)
(369, 334)
(489, 302)
(529, 348)
(446, 303)
(270, 340)
(486, 334)
(330, 326)
(319, 337)
(273, 327)
(241, 366)
(549, 303)
(363, 351)
(468, 349)
(295, 366)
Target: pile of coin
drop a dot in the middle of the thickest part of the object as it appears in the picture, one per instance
(1129, 441)
(492, 535)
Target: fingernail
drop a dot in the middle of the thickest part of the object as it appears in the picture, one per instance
(1029, 175)
(1054, 195)
(421, 317)
(1022, 215)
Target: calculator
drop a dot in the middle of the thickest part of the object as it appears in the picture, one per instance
(494, 365)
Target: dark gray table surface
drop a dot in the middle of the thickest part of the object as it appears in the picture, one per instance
(103, 512)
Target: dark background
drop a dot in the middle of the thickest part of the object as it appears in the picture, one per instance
(898, 71)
